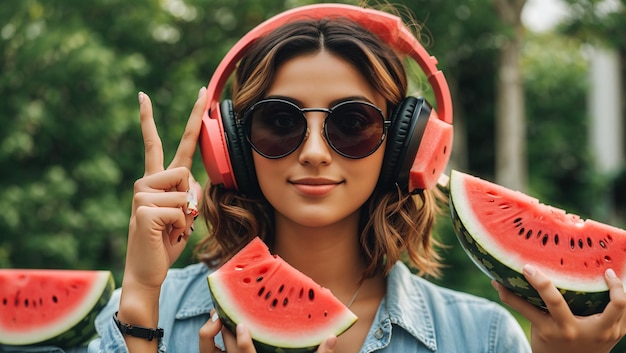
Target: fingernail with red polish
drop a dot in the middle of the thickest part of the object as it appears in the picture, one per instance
(180, 237)
(192, 203)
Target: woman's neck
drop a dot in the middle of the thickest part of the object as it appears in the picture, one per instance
(330, 255)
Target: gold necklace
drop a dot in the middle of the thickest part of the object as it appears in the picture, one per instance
(356, 293)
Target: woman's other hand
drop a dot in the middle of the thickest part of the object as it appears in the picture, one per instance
(242, 343)
(559, 330)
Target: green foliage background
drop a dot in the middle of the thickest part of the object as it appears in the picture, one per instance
(71, 147)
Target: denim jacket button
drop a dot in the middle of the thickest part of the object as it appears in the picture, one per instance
(378, 333)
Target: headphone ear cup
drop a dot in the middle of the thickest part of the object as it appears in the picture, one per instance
(409, 120)
(239, 151)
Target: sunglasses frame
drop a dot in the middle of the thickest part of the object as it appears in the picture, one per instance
(247, 126)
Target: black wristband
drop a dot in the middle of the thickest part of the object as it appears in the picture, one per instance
(138, 331)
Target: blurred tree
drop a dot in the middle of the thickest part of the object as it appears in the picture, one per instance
(556, 83)
(603, 24)
(511, 163)
(70, 143)
(65, 116)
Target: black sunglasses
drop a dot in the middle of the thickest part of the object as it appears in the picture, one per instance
(276, 127)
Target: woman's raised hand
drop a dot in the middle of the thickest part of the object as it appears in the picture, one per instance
(558, 330)
(160, 223)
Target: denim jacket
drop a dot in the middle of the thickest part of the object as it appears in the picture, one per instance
(414, 316)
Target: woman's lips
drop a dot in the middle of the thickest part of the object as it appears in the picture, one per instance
(315, 187)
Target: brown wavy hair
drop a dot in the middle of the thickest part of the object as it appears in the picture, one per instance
(393, 225)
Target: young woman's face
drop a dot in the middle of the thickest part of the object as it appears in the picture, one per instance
(315, 186)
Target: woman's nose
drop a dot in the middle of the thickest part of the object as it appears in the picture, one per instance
(315, 149)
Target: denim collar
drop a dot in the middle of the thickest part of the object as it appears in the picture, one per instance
(406, 305)
(197, 298)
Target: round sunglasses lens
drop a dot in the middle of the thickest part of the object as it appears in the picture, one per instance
(355, 129)
(276, 128)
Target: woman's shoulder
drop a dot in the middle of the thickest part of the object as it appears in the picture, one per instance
(186, 291)
(409, 295)
(403, 280)
(187, 273)
(189, 281)
(432, 312)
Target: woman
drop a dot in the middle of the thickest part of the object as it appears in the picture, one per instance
(320, 204)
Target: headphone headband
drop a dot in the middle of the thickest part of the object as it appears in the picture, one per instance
(387, 27)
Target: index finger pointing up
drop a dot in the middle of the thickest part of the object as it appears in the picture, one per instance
(151, 140)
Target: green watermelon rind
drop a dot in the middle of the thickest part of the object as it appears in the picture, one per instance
(80, 332)
(580, 302)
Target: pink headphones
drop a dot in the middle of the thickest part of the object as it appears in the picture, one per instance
(419, 141)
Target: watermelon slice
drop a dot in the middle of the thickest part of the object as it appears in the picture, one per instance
(502, 230)
(284, 310)
(51, 307)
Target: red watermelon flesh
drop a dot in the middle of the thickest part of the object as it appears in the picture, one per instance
(282, 308)
(502, 230)
(51, 307)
